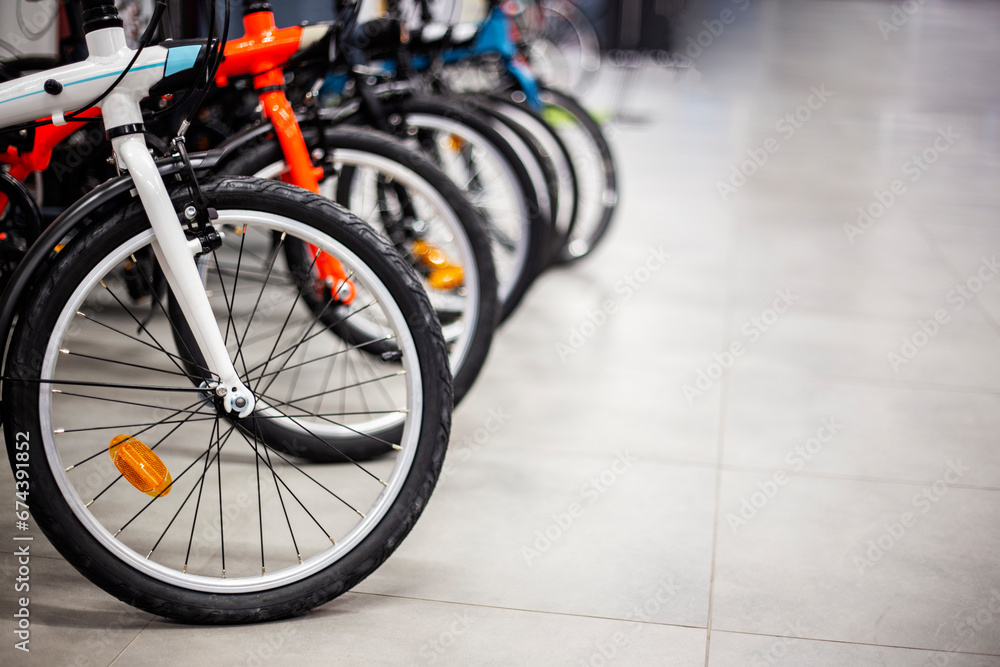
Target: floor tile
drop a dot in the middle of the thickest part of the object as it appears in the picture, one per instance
(878, 563)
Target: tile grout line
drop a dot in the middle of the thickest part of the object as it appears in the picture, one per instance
(479, 605)
(727, 323)
(132, 641)
(850, 643)
(723, 395)
(656, 623)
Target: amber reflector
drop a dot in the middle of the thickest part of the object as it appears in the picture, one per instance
(442, 274)
(140, 465)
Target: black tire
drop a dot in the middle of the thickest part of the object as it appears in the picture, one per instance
(594, 218)
(479, 329)
(118, 563)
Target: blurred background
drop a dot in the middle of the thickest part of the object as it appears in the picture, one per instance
(781, 435)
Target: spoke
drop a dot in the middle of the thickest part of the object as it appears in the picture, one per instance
(163, 309)
(142, 342)
(208, 461)
(320, 415)
(201, 487)
(260, 508)
(297, 372)
(326, 379)
(344, 426)
(122, 363)
(222, 530)
(230, 323)
(107, 385)
(236, 279)
(142, 327)
(253, 277)
(307, 475)
(225, 439)
(333, 391)
(371, 369)
(257, 437)
(170, 416)
(240, 340)
(124, 426)
(308, 335)
(328, 356)
(360, 384)
(284, 325)
(141, 405)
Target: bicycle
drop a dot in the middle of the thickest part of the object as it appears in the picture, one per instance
(167, 539)
(490, 59)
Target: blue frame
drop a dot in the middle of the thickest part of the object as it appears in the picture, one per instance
(492, 38)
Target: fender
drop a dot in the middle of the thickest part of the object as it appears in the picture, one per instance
(68, 221)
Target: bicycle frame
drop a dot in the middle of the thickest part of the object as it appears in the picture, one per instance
(47, 137)
(261, 53)
(497, 35)
(57, 92)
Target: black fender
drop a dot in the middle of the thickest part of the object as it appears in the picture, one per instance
(68, 222)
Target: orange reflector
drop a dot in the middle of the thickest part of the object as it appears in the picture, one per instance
(446, 279)
(442, 274)
(455, 142)
(140, 465)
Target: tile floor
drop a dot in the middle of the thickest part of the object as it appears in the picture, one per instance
(758, 520)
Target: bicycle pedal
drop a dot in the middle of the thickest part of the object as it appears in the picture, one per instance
(140, 465)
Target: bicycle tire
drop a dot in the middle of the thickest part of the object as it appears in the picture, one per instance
(302, 572)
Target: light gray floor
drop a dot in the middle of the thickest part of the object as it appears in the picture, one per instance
(658, 565)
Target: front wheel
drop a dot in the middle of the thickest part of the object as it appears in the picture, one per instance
(141, 480)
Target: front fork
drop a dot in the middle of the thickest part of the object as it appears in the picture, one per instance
(175, 254)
